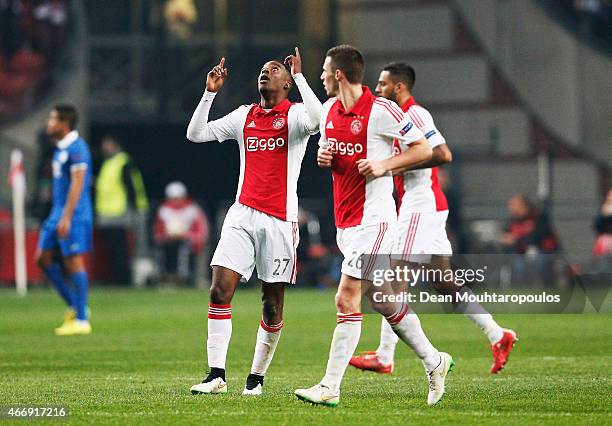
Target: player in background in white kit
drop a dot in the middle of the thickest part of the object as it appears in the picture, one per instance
(422, 238)
(356, 126)
(260, 229)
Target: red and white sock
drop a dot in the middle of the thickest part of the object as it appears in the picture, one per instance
(267, 339)
(408, 327)
(344, 343)
(219, 334)
(388, 342)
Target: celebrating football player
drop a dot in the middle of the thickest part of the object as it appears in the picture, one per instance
(260, 229)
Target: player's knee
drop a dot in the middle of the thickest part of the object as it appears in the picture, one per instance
(442, 280)
(346, 304)
(74, 264)
(386, 309)
(272, 312)
(40, 262)
(224, 282)
(445, 287)
(220, 293)
(43, 261)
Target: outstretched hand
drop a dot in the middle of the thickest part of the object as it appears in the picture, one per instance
(295, 62)
(216, 77)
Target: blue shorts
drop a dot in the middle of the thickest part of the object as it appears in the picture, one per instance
(77, 242)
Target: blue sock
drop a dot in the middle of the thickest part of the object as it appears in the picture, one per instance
(56, 276)
(80, 282)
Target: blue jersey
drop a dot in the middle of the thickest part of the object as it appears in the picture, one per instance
(71, 153)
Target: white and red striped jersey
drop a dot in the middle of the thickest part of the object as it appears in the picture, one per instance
(272, 145)
(366, 131)
(419, 190)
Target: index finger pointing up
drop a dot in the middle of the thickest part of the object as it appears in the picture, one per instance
(297, 52)
(222, 62)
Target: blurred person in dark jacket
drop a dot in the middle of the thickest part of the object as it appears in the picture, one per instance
(41, 203)
(530, 235)
(528, 231)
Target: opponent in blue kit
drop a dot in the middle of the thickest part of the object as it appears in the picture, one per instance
(66, 234)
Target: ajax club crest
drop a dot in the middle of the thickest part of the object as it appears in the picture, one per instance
(278, 123)
(356, 127)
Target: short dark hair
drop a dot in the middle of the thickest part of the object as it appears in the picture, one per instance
(401, 72)
(349, 60)
(287, 69)
(283, 65)
(67, 113)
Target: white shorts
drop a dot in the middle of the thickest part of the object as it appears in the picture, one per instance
(250, 238)
(421, 235)
(365, 248)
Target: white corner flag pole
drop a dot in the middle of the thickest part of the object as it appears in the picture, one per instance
(18, 184)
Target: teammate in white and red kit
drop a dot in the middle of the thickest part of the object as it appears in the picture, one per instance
(260, 229)
(422, 214)
(356, 128)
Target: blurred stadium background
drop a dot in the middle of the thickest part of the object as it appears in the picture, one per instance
(521, 90)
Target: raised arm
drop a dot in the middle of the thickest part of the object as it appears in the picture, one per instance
(199, 129)
(311, 102)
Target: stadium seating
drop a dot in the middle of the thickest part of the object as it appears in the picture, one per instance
(487, 187)
(450, 78)
(20, 80)
(500, 130)
(427, 28)
(24, 67)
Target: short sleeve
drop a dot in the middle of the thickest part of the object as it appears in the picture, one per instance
(394, 124)
(229, 126)
(78, 156)
(424, 121)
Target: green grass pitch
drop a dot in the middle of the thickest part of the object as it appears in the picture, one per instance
(148, 348)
